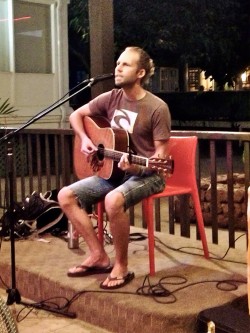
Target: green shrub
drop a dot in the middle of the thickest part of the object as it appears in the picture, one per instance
(6, 108)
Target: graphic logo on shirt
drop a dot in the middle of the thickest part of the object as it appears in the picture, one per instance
(124, 119)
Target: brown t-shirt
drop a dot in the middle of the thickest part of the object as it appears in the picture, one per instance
(145, 120)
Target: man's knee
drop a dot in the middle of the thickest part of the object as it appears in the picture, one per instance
(114, 202)
(65, 196)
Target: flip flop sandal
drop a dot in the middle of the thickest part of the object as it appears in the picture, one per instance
(87, 270)
(126, 279)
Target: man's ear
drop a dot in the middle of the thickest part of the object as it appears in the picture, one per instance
(141, 73)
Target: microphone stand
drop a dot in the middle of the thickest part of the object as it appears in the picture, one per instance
(13, 293)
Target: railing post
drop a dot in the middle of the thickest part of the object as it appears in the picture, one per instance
(213, 172)
(230, 195)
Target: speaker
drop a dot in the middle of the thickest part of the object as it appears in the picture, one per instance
(7, 322)
(228, 318)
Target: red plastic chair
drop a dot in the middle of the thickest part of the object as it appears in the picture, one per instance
(182, 181)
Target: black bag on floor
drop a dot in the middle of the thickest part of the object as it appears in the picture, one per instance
(39, 213)
(53, 220)
(21, 229)
(228, 318)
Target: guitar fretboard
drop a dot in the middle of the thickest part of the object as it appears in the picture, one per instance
(116, 156)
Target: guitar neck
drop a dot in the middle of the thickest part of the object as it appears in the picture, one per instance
(116, 156)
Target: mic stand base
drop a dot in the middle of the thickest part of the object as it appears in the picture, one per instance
(44, 307)
(15, 297)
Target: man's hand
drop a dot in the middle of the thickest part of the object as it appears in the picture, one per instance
(126, 166)
(124, 163)
(87, 147)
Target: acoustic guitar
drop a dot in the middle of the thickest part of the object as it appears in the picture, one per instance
(112, 143)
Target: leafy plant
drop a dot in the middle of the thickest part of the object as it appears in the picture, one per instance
(6, 108)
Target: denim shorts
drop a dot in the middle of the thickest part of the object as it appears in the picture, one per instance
(93, 189)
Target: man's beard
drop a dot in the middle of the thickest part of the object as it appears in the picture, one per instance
(125, 84)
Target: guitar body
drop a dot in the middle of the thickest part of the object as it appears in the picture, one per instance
(99, 131)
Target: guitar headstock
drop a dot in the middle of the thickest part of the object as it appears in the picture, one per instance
(161, 164)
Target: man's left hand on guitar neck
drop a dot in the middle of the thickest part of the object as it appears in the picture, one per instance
(134, 169)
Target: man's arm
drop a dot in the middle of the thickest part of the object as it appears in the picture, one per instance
(160, 149)
(76, 121)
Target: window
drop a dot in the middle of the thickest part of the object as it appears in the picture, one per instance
(32, 31)
(194, 79)
(5, 21)
(168, 79)
(245, 78)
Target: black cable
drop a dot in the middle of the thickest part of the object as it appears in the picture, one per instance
(47, 305)
(157, 291)
(180, 249)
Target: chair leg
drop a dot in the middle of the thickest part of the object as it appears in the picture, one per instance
(147, 205)
(100, 210)
(200, 222)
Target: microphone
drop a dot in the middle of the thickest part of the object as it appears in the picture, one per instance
(99, 78)
(102, 77)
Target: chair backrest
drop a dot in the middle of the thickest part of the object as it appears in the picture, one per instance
(183, 152)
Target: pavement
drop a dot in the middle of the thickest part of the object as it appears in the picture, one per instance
(184, 285)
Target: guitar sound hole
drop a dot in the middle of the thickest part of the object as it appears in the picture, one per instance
(100, 152)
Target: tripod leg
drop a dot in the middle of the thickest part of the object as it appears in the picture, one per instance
(13, 293)
(13, 296)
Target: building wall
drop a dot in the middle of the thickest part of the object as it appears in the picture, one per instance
(35, 91)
